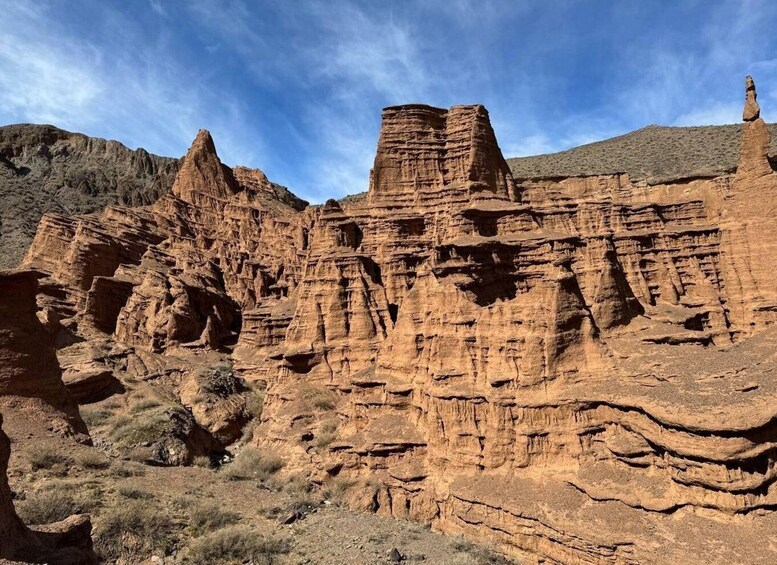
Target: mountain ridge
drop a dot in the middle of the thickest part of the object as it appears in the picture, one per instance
(654, 153)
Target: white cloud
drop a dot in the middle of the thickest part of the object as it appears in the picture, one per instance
(718, 113)
(364, 53)
(133, 92)
(699, 80)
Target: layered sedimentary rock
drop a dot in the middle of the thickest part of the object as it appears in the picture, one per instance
(579, 369)
(556, 337)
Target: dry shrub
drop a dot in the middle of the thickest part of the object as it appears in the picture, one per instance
(56, 501)
(47, 458)
(94, 415)
(250, 463)
(337, 487)
(203, 461)
(132, 532)
(127, 431)
(206, 519)
(93, 460)
(234, 545)
(44, 508)
(145, 404)
(321, 399)
(482, 555)
(135, 493)
(123, 469)
(255, 402)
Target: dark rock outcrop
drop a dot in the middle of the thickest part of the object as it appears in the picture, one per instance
(46, 169)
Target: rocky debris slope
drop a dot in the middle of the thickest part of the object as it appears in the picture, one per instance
(575, 369)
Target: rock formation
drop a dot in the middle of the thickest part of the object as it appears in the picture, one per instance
(578, 370)
(67, 542)
(753, 160)
(752, 111)
(30, 375)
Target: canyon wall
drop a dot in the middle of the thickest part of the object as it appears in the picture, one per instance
(577, 370)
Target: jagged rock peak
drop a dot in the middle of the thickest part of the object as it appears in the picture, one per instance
(423, 150)
(752, 110)
(203, 173)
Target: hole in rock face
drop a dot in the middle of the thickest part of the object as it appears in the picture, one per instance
(373, 270)
(393, 311)
(696, 323)
(411, 227)
(302, 363)
(486, 226)
(490, 286)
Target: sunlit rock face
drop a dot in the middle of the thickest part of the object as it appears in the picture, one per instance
(578, 370)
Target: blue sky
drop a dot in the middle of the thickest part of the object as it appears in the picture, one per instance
(295, 87)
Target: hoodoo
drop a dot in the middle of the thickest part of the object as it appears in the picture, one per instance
(752, 111)
(753, 161)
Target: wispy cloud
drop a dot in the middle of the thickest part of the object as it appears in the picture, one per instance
(139, 95)
(363, 53)
(696, 79)
(157, 6)
(39, 82)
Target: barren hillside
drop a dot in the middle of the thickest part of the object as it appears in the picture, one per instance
(46, 169)
(656, 154)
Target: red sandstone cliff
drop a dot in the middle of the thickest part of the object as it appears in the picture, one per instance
(568, 368)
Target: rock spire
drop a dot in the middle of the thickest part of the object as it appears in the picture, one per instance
(752, 111)
(753, 157)
(202, 175)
